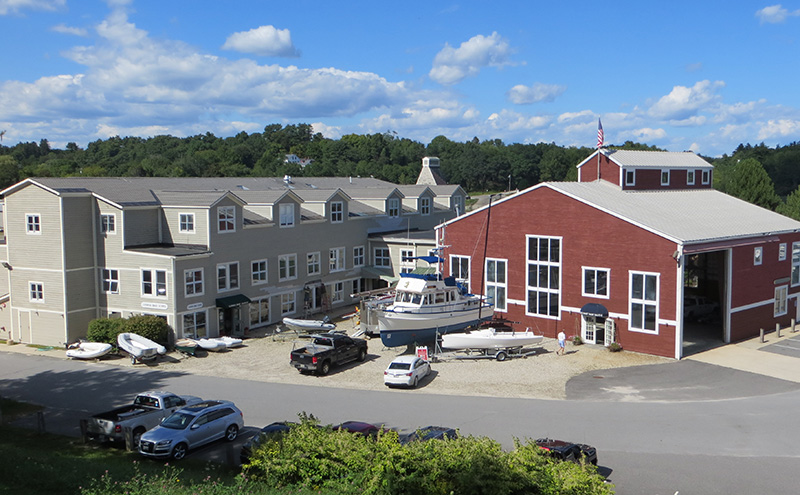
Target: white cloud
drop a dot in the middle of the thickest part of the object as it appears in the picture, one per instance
(582, 116)
(64, 29)
(15, 6)
(647, 134)
(779, 129)
(775, 14)
(452, 65)
(682, 103)
(523, 95)
(266, 41)
(514, 121)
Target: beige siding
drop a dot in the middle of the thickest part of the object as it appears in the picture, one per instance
(81, 291)
(141, 227)
(79, 243)
(42, 250)
(78, 323)
(170, 221)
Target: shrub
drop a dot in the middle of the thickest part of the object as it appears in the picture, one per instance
(577, 340)
(148, 326)
(614, 347)
(105, 330)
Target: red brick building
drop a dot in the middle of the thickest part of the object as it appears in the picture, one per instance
(649, 255)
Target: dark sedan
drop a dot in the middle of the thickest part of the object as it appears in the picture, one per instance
(568, 451)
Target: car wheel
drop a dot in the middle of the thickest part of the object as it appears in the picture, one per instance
(325, 368)
(231, 433)
(179, 452)
(362, 354)
(137, 436)
(416, 382)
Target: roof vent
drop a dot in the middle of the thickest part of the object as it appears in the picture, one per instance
(287, 179)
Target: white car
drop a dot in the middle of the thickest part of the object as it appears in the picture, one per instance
(406, 370)
(695, 307)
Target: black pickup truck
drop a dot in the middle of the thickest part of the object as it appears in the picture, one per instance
(326, 350)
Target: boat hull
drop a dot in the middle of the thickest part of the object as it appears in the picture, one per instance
(139, 347)
(316, 326)
(89, 350)
(488, 339)
(406, 328)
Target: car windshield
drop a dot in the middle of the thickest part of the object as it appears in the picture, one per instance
(178, 421)
(399, 366)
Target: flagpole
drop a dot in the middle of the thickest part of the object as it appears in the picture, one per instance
(600, 140)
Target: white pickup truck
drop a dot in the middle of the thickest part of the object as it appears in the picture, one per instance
(146, 412)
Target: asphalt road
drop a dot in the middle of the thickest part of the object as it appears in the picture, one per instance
(697, 444)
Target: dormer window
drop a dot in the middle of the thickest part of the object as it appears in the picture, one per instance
(394, 207)
(630, 177)
(665, 177)
(226, 219)
(425, 206)
(706, 176)
(337, 212)
(287, 215)
(690, 177)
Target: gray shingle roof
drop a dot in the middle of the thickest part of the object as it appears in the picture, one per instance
(654, 159)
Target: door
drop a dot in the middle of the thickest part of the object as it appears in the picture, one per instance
(588, 329)
(24, 327)
(611, 332)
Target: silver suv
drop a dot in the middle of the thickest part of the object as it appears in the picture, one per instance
(192, 427)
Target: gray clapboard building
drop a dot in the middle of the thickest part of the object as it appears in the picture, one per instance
(214, 256)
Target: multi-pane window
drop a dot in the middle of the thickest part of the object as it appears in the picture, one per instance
(194, 325)
(259, 312)
(665, 177)
(781, 294)
(36, 292)
(258, 272)
(496, 288)
(336, 259)
(544, 276)
(110, 281)
(630, 177)
(407, 261)
(287, 267)
(644, 301)
(193, 282)
(358, 256)
(393, 208)
(227, 276)
(186, 222)
(287, 214)
(226, 219)
(313, 265)
(287, 303)
(33, 224)
(459, 268)
(595, 282)
(795, 263)
(706, 176)
(425, 206)
(108, 223)
(382, 258)
(154, 283)
(690, 177)
(359, 285)
(338, 292)
(337, 212)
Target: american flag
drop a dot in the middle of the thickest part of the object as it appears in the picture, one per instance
(599, 134)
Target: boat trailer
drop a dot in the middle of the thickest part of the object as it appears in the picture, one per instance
(499, 354)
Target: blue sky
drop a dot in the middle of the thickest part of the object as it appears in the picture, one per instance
(702, 76)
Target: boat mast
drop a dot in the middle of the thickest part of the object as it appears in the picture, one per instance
(485, 247)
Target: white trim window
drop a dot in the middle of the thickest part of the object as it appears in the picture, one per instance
(287, 267)
(393, 207)
(459, 268)
(193, 282)
(782, 252)
(108, 223)
(337, 261)
(382, 257)
(186, 223)
(425, 206)
(690, 177)
(337, 292)
(665, 177)
(337, 212)
(226, 219)
(496, 285)
(258, 272)
(630, 177)
(407, 261)
(227, 276)
(544, 277)
(781, 297)
(795, 264)
(359, 285)
(595, 282)
(286, 215)
(288, 303)
(194, 325)
(259, 312)
(33, 224)
(154, 283)
(358, 256)
(110, 281)
(313, 264)
(706, 176)
(36, 292)
(758, 255)
(644, 302)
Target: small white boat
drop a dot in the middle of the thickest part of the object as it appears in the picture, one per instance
(309, 326)
(139, 348)
(212, 345)
(230, 341)
(88, 350)
(186, 346)
(490, 338)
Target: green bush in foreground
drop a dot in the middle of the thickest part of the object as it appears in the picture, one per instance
(148, 326)
(105, 330)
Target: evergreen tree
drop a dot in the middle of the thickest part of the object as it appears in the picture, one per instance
(750, 182)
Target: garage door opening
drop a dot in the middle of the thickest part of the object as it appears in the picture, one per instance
(703, 311)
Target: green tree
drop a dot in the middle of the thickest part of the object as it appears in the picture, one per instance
(750, 182)
(791, 208)
(9, 171)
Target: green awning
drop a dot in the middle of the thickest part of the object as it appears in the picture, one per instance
(381, 273)
(231, 301)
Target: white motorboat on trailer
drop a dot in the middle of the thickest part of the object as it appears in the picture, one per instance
(139, 348)
(425, 304)
(309, 326)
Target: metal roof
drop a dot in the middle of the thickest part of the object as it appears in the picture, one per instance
(657, 159)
